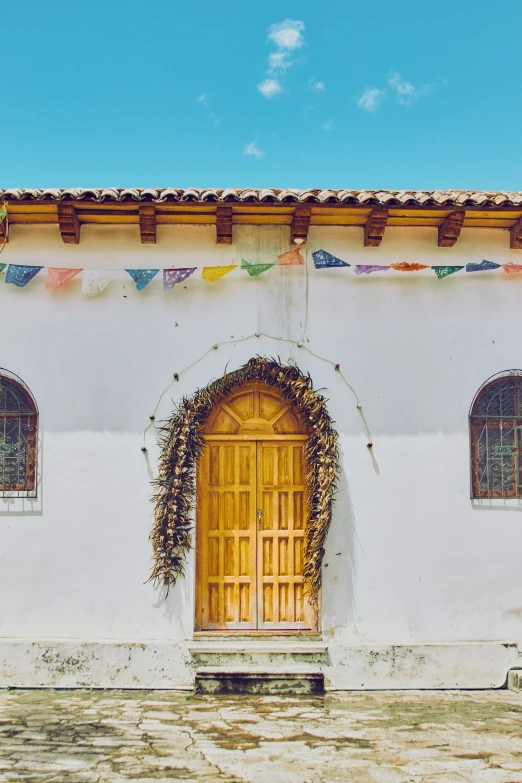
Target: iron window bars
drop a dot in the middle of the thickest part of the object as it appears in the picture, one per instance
(496, 437)
(18, 438)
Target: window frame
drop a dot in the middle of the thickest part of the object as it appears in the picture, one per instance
(28, 488)
(483, 423)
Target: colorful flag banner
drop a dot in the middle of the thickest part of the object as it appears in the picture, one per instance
(172, 277)
(405, 267)
(57, 277)
(21, 275)
(484, 266)
(512, 268)
(213, 273)
(367, 269)
(255, 269)
(323, 259)
(291, 257)
(142, 277)
(95, 282)
(444, 271)
(2, 267)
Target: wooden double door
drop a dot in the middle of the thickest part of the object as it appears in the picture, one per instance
(251, 516)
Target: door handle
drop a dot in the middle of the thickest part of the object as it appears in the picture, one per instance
(259, 515)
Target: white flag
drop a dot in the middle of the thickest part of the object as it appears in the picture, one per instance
(95, 282)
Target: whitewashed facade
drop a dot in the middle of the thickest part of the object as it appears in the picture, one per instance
(421, 585)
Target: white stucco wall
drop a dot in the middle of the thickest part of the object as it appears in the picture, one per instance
(410, 558)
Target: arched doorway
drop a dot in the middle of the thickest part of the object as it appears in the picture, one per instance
(251, 515)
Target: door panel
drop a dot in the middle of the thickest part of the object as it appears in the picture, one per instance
(281, 499)
(251, 508)
(226, 540)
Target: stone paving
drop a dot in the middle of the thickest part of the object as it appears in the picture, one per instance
(377, 737)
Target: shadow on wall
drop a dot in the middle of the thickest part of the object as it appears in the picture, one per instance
(340, 563)
(177, 603)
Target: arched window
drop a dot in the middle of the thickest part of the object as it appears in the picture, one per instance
(496, 437)
(18, 437)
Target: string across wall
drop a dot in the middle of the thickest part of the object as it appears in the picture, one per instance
(298, 343)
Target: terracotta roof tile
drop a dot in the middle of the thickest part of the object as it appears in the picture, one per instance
(443, 198)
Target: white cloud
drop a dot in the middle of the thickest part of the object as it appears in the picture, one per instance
(327, 126)
(269, 88)
(371, 98)
(287, 35)
(406, 93)
(203, 100)
(278, 61)
(253, 149)
(317, 86)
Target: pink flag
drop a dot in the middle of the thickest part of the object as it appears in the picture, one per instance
(291, 257)
(57, 277)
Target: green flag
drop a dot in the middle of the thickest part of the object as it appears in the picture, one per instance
(444, 271)
(2, 267)
(254, 269)
(3, 210)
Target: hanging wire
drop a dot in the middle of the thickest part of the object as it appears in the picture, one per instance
(298, 344)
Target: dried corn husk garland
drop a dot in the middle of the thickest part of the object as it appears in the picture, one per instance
(181, 447)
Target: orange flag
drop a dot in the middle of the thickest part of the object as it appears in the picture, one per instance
(405, 267)
(57, 277)
(511, 268)
(291, 257)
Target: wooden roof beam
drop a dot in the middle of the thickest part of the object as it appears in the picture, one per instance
(148, 224)
(69, 224)
(374, 228)
(515, 235)
(300, 224)
(224, 225)
(449, 230)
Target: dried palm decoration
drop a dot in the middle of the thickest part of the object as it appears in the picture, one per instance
(182, 443)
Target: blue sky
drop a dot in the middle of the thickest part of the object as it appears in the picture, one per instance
(275, 94)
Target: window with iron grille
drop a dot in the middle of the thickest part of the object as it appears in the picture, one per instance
(18, 438)
(496, 437)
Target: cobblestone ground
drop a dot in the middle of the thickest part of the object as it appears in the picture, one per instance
(400, 737)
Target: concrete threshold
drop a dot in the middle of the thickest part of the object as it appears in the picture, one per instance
(289, 647)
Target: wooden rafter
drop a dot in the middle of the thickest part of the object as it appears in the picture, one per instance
(374, 228)
(224, 225)
(515, 235)
(449, 230)
(148, 224)
(301, 222)
(71, 214)
(69, 224)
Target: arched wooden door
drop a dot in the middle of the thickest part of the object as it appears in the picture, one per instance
(251, 516)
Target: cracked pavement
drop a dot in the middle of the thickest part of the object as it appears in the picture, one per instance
(49, 736)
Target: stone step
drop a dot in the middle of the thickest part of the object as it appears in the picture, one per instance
(256, 680)
(514, 680)
(262, 653)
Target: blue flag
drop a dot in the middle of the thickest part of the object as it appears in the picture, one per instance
(482, 267)
(322, 259)
(20, 275)
(142, 277)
